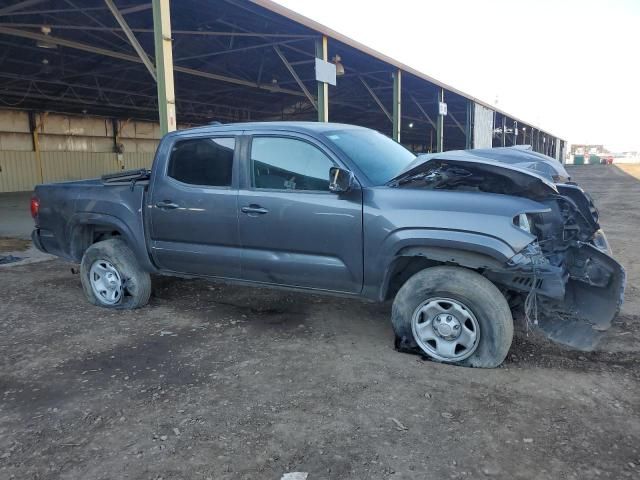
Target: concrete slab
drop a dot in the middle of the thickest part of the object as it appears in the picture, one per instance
(15, 217)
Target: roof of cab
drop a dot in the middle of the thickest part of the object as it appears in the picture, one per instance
(303, 127)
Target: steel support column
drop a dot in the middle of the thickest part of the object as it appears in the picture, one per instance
(440, 124)
(532, 140)
(34, 126)
(468, 125)
(504, 131)
(547, 146)
(515, 132)
(397, 105)
(164, 65)
(322, 52)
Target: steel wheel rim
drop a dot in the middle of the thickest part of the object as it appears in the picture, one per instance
(106, 282)
(445, 329)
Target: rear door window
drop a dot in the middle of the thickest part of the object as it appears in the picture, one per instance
(203, 161)
(280, 163)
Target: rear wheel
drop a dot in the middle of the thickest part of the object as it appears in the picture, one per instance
(453, 315)
(112, 278)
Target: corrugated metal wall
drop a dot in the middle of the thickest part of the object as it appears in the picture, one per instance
(138, 160)
(18, 171)
(482, 127)
(71, 148)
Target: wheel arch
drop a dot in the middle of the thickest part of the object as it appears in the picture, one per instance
(85, 229)
(411, 259)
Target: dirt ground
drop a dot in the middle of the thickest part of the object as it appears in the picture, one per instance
(220, 382)
(9, 244)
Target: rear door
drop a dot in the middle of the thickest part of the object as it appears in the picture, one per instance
(293, 230)
(193, 207)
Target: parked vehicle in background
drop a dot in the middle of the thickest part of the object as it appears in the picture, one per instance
(459, 241)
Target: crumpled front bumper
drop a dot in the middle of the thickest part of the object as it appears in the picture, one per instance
(576, 300)
(594, 294)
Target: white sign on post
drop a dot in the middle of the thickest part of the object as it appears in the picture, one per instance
(442, 108)
(325, 72)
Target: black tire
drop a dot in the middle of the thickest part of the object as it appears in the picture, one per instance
(478, 294)
(136, 282)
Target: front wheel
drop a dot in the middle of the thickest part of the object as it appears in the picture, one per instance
(112, 278)
(453, 315)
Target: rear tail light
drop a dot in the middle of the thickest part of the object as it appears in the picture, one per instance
(35, 206)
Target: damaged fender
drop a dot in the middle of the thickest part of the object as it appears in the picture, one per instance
(572, 287)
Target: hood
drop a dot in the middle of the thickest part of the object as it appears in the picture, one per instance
(519, 155)
(524, 156)
(462, 170)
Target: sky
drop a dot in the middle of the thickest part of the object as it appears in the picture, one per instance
(571, 67)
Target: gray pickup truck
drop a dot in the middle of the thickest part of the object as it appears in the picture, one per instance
(459, 241)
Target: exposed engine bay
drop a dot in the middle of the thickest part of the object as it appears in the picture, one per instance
(565, 281)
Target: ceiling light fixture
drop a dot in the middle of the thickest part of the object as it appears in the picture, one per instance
(339, 67)
(43, 43)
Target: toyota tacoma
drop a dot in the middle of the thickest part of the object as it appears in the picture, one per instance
(459, 241)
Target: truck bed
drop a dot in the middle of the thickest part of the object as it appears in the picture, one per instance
(65, 207)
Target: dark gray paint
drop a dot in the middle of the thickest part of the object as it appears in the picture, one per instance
(344, 243)
(198, 235)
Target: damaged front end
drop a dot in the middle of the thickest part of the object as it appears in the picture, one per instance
(565, 281)
(572, 295)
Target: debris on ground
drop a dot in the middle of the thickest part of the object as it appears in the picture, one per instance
(399, 425)
(4, 259)
(295, 476)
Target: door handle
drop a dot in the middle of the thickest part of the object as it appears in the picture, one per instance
(254, 209)
(167, 205)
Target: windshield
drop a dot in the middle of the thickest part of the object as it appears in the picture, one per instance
(376, 155)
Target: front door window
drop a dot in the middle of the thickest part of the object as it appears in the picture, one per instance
(288, 164)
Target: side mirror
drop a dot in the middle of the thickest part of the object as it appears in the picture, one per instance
(340, 180)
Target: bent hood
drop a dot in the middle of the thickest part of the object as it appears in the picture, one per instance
(462, 169)
(523, 156)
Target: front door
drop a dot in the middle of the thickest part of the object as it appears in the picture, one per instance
(194, 210)
(293, 230)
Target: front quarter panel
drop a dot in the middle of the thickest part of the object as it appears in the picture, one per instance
(397, 219)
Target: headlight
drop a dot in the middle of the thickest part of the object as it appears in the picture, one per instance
(601, 242)
(522, 221)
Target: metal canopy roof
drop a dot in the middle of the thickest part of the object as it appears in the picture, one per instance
(234, 60)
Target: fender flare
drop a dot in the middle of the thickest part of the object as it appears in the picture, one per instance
(84, 219)
(466, 249)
